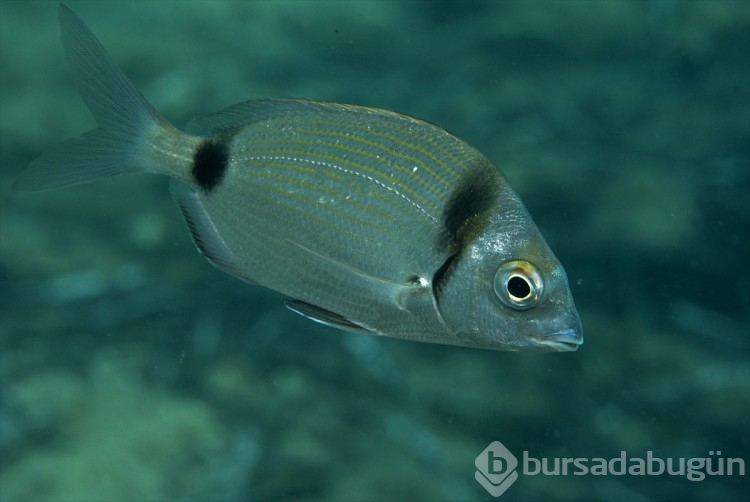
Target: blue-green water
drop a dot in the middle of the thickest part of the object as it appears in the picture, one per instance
(132, 370)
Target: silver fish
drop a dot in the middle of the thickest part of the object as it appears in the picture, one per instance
(370, 220)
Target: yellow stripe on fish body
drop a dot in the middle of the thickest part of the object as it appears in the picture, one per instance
(352, 172)
(369, 220)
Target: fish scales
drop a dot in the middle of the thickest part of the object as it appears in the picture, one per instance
(372, 141)
(351, 192)
(369, 220)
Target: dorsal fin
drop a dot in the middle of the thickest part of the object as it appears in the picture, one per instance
(253, 111)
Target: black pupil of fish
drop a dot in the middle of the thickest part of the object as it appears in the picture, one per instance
(518, 287)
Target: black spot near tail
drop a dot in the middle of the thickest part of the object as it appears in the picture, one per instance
(210, 163)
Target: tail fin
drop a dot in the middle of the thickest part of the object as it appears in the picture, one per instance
(126, 120)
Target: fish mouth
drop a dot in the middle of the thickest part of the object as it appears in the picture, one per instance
(563, 341)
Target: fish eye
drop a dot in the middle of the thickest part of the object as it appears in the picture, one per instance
(518, 284)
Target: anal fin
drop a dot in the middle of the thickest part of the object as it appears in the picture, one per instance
(204, 232)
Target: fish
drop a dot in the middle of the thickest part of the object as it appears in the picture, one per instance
(368, 220)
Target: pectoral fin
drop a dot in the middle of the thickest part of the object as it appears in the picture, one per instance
(324, 316)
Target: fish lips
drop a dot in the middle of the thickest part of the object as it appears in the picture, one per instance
(567, 340)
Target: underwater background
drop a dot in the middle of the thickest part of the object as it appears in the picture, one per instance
(133, 370)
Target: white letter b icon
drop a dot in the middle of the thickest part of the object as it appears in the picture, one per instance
(496, 468)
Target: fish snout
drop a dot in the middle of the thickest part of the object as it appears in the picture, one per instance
(567, 340)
